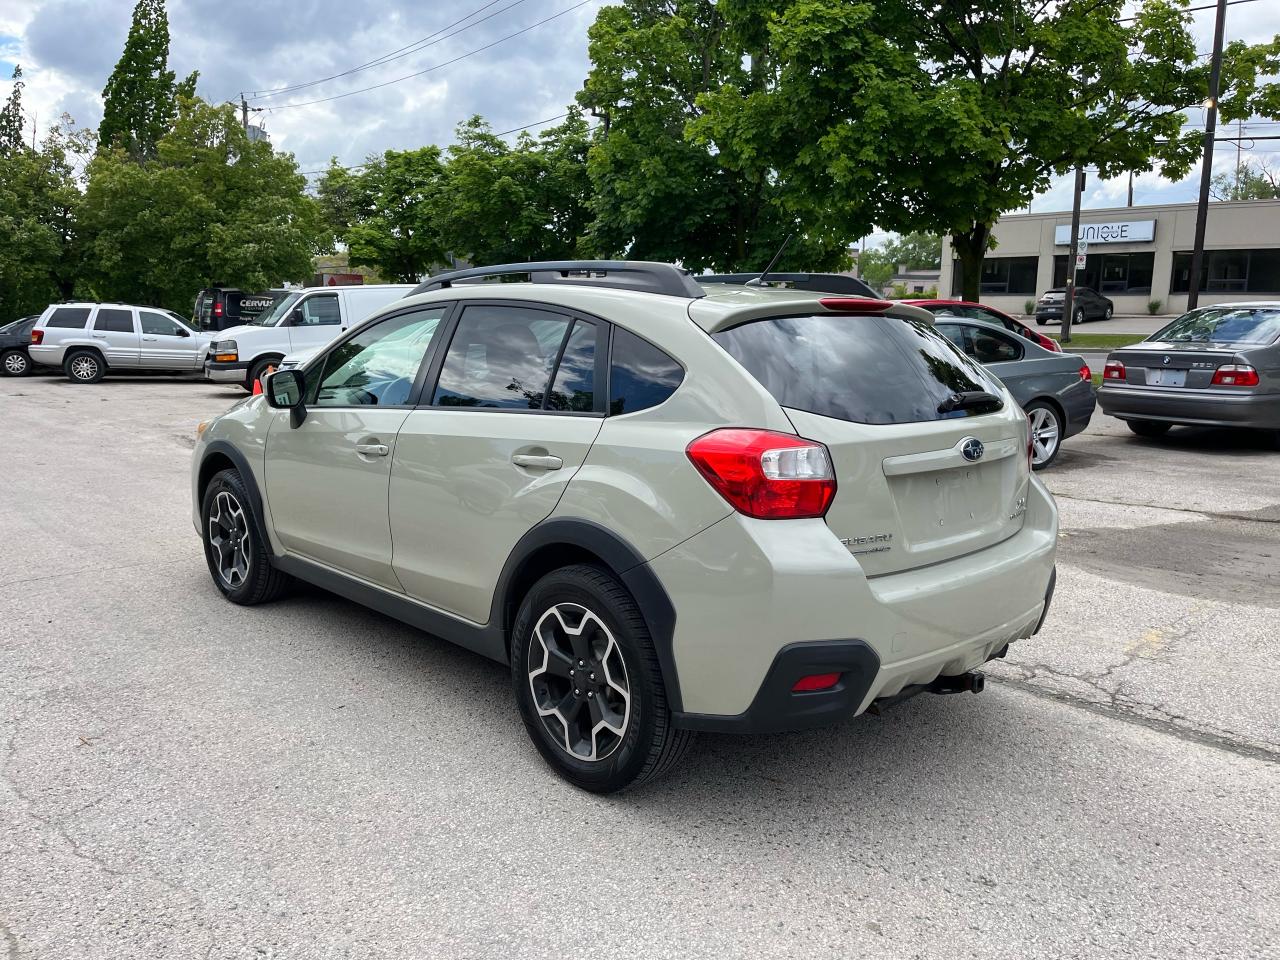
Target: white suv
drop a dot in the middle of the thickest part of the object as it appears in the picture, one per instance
(667, 507)
(303, 320)
(88, 340)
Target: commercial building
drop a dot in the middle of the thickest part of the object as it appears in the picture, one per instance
(1135, 255)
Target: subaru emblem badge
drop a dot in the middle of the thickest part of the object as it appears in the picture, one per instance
(972, 449)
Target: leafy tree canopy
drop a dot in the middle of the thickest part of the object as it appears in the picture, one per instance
(211, 207)
(1253, 181)
(660, 196)
(12, 120)
(916, 115)
(915, 251)
(139, 98)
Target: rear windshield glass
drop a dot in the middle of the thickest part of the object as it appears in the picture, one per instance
(867, 369)
(1224, 324)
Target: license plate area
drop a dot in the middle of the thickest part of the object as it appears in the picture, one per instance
(949, 506)
(1166, 378)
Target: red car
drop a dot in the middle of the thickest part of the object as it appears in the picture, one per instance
(976, 311)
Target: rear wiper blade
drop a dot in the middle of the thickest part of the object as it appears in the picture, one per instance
(970, 400)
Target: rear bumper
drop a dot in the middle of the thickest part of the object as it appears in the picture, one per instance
(233, 372)
(42, 353)
(753, 597)
(1210, 408)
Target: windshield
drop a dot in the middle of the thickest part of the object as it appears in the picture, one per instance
(276, 312)
(12, 326)
(1224, 324)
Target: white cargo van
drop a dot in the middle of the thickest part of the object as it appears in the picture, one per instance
(302, 320)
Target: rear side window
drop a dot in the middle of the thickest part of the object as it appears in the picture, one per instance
(69, 317)
(865, 369)
(114, 321)
(640, 375)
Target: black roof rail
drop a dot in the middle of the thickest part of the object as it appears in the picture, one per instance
(642, 275)
(819, 282)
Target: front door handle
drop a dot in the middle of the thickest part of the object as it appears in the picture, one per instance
(532, 460)
(149, 339)
(372, 449)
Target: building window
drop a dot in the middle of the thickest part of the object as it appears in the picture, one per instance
(1110, 272)
(1009, 275)
(1229, 271)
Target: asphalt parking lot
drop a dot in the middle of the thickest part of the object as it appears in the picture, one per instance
(186, 778)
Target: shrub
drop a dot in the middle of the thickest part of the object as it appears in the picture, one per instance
(1153, 306)
(1029, 306)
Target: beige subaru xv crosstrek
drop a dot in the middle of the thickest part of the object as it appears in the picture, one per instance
(668, 506)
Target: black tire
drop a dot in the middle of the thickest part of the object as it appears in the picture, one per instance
(649, 744)
(1041, 323)
(1046, 425)
(1148, 428)
(84, 366)
(259, 369)
(15, 363)
(1077, 316)
(1108, 313)
(258, 581)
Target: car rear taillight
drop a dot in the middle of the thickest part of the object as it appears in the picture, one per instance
(1085, 373)
(1050, 344)
(855, 304)
(816, 681)
(37, 336)
(1114, 370)
(766, 475)
(217, 309)
(1235, 375)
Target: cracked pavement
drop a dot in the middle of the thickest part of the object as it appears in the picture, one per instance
(184, 778)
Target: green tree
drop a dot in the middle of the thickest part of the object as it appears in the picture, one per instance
(390, 213)
(39, 202)
(916, 251)
(876, 267)
(139, 98)
(660, 196)
(211, 207)
(12, 119)
(1250, 182)
(915, 115)
(504, 204)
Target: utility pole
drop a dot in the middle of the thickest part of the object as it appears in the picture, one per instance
(244, 114)
(1130, 203)
(1068, 300)
(1206, 165)
(1239, 146)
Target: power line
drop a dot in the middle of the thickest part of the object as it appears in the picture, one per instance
(399, 53)
(464, 56)
(1210, 6)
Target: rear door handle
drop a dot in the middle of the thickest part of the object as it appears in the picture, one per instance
(532, 460)
(372, 449)
(99, 336)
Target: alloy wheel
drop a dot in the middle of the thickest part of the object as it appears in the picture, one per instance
(15, 364)
(84, 368)
(1044, 435)
(229, 538)
(579, 682)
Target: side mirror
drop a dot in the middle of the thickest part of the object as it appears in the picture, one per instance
(284, 391)
(183, 332)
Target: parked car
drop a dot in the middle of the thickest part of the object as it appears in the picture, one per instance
(301, 320)
(978, 311)
(1054, 388)
(88, 340)
(1215, 366)
(1088, 304)
(15, 338)
(217, 308)
(668, 507)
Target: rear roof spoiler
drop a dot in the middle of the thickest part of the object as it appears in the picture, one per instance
(645, 276)
(819, 282)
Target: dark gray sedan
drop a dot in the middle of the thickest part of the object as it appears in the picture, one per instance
(1216, 366)
(1055, 389)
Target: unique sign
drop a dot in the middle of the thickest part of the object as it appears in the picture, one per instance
(1117, 231)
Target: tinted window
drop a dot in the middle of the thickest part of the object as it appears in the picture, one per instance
(1224, 324)
(159, 325)
(574, 385)
(18, 327)
(992, 347)
(320, 311)
(500, 357)
(70, 317)
(377, 366)
(955, 333)
(640, 375)
(114, 321)
(866, 369)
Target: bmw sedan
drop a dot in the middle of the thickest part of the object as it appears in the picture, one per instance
(1216, 366)
(1055, 389)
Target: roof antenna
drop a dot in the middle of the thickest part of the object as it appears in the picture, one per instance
(759, 281)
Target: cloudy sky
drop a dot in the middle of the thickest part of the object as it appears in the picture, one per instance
(67, 49)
